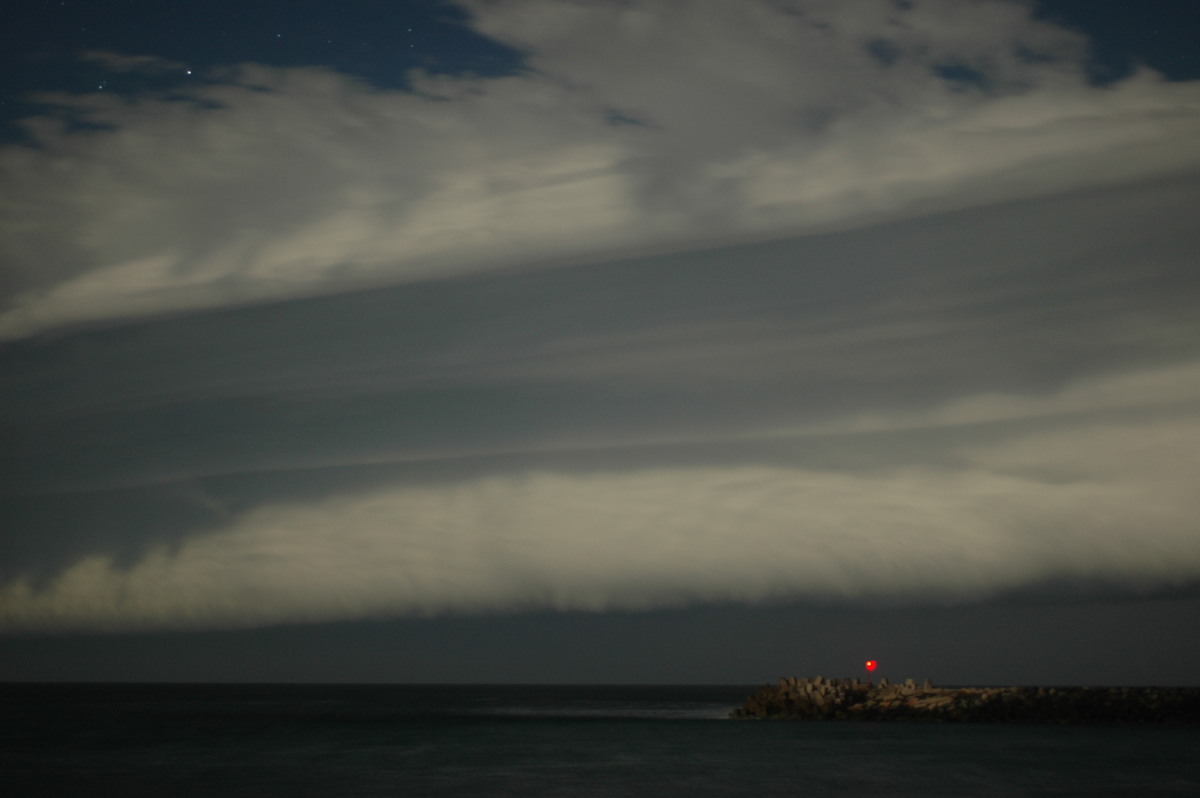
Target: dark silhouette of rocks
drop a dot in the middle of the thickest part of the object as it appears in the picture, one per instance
(818, 698)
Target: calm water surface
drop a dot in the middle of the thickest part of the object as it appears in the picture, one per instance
(298, 740)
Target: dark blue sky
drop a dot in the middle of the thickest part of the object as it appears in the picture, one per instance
(1161, 35)
(377, 40)
(561, 341)
(380, 41)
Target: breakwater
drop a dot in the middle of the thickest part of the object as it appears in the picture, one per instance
(818, 698)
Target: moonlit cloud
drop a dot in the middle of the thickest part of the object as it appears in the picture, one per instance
(710, 303)
(272, 183)
(1025, 507)
(139, 64)
(1074, 505)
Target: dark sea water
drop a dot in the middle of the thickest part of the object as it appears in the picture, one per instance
(412, 740)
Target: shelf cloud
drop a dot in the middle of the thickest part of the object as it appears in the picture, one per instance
(1018, 510)
(708, 303)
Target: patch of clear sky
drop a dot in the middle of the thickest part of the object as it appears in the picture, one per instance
(380, 41)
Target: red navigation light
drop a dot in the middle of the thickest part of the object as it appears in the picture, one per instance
(871, 665)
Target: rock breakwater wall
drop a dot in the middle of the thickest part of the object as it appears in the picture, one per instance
(818, 698)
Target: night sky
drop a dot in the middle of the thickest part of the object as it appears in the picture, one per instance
(630, 341)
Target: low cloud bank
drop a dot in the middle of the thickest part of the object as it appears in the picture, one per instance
(1095, 503)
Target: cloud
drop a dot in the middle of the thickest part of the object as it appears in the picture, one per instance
(863, 301)
(1090, 500)
(637, 127)
(975, 317)
(1163, 391)
(143, 64)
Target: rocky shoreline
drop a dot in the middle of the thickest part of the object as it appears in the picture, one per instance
(818, 698)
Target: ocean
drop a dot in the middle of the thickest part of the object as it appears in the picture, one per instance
(415, 740)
